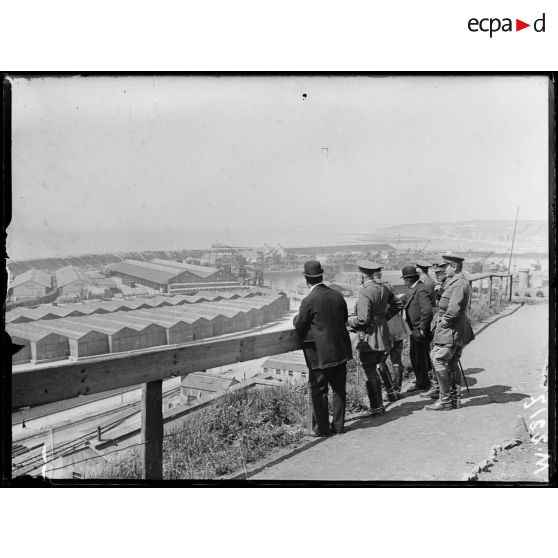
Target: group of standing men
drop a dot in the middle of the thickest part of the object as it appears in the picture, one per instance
(433, 313)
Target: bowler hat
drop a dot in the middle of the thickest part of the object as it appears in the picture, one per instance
(313, 268)
(449, 258)
(422, 263)
(409, 271)
(367, 265)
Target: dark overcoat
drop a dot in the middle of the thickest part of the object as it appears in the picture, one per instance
(322, 324)
(419, 310)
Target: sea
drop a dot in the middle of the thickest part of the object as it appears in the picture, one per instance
(23, 244)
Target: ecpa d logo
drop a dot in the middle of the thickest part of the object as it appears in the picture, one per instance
(493, 25)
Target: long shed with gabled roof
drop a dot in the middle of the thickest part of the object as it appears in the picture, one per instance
(45, 344)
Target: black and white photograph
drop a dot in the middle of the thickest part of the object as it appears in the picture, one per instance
(280, 279)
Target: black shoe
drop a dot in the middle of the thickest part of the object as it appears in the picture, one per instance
(313, 434)
(440, 406)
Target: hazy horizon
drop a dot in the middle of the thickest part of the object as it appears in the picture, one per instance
(68, 242)
(281, 158)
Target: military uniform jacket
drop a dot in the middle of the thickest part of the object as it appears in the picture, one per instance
(438, 290)
(322, 324)
(376, 303)
(452, 327)
(429, 283)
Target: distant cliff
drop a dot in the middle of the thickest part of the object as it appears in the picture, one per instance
(535, 232)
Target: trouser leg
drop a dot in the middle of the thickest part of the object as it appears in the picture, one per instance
(318, 381)
(338, 383)
(440, 359)
(419, 360)
(373, 386)
(395, 357)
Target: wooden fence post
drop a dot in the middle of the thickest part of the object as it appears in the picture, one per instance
(152, 429)
(510, 281)
(490, 291)
(501, 290)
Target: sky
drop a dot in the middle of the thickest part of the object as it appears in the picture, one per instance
(280, 154)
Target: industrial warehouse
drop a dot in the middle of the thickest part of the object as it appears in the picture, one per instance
(77, 331)
(169, 276)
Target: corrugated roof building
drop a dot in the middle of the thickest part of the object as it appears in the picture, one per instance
(159, 274)
(127, 330)
(197, 385)
(71, 280)
(45, 344)
(287, 366)
(33, 283)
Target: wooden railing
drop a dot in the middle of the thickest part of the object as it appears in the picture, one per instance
(504, 291)
(58, 381)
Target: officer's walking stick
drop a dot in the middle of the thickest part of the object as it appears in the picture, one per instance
(463, 374)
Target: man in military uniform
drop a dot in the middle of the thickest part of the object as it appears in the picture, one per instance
(376, 304)
(439, 268)
(399, 331)
(422, 269)
(452, 332)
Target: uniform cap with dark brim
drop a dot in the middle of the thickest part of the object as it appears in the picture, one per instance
(439, 266)
(422, 263)
(409, 271)
(449, 258)
(368, 266)
(313, 268)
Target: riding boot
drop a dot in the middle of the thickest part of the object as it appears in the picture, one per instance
(456, 388)
(397, 377)
(387, 381)
(375, 397)
(444, 401)
(434, 391)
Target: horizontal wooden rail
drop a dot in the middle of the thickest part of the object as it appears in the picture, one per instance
(479, 276)
(56, 381)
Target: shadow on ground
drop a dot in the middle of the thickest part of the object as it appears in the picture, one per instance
(472, 371)
(491, 394)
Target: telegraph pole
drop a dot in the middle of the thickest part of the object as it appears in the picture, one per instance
(513, 239)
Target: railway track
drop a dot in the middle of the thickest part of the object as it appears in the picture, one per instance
(23, 463)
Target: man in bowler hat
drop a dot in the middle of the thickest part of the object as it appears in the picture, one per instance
(321, 322)
(376, 304)
(452, 332)
(418, 314)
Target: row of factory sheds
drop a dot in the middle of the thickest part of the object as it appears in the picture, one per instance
(95, 334)
(50, 312)
(36, 283)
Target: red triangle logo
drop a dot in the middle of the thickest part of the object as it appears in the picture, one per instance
(519, 25)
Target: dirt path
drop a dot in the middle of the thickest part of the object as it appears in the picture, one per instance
(409, 443)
